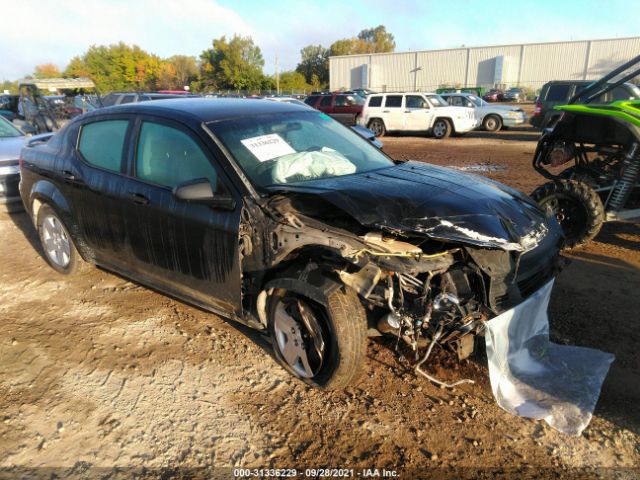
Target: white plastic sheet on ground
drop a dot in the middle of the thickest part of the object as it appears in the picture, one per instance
(532, 377)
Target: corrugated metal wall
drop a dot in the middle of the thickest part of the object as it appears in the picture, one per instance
(526, 65)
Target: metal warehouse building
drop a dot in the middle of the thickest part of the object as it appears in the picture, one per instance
(502, 66)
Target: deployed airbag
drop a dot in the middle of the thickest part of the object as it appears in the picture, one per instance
(310, 165)
(535, 378)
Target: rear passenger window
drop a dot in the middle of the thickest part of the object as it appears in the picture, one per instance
(311, 100)
(375, 101)
(394, 101)
(101, 143)
(326, 101)
(167, 156)
(558, 93)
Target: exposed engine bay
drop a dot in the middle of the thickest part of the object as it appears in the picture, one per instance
(420, 290)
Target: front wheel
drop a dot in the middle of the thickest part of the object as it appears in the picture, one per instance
(323, 346)
(492, 123)
(577, 207)
(441, 128)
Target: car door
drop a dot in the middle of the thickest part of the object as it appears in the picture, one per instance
(326, 104)
(417, 113)
(346, 108)
(392, 113)
(97, 186)
(185, 248)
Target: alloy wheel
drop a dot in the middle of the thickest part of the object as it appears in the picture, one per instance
(299, 337)
(57, 245)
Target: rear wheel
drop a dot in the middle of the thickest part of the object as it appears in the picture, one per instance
(577, 207)
(56, 242)
(377, 127)
(441, 128)
(492, 123)
(324, 347)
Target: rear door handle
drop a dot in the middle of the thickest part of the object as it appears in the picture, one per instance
(70, 177)
(138, 198)
(385, 111)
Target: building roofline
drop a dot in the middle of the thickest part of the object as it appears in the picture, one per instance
(486, 46)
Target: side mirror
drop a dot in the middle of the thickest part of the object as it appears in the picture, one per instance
(200, 191)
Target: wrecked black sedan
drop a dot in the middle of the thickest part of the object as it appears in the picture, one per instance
(279, 217)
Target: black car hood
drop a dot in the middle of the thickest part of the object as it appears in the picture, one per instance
(439, 202)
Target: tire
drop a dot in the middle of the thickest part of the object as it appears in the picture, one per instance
(573, 173)
(441, 128)
(342, 328)
(58, 247)
(377, 127)
(577, 207)
(492, 123)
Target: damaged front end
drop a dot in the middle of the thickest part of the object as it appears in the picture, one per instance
(417, 286)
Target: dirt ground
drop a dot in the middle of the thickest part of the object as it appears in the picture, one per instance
(99, 376)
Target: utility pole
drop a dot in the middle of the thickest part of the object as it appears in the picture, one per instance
(277, 78)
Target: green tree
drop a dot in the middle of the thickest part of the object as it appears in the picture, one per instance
(293, 81)
(186, 69)
(369, 40)
(46, 70)
(377, 40)
(117, 67)
(346, 46)
(314, 60)
(235, 63)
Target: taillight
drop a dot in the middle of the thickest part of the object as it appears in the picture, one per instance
(21, 162)
(538, 110)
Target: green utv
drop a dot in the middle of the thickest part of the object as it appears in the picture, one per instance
(604, 143)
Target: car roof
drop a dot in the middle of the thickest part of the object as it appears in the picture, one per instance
(203, 109)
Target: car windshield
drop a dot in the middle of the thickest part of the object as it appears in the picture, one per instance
(282, 148)
(8, 130)
(477, 100)
(437, 101)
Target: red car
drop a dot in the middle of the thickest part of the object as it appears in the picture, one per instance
(493, 95)
(344, 107)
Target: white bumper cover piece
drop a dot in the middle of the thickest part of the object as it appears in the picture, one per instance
(532, 377)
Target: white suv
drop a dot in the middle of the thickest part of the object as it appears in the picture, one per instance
(415, 112)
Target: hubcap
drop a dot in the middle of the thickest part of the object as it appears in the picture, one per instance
(56, 242)
(439, 129)
(299, 337)
(491, 124)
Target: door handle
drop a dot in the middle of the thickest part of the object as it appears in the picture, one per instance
(385, 111)
(138, 198)
(407, 111)
(70, 177)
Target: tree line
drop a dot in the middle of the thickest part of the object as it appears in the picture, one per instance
(234, 63)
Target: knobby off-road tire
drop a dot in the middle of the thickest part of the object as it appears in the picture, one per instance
(57, 244)
(577, 207)
(344, 330)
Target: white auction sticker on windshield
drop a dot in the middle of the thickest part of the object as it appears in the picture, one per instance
(268, 147)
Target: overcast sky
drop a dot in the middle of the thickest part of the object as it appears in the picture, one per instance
(38, 31)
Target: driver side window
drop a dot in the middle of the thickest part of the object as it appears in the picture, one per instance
(168, 157)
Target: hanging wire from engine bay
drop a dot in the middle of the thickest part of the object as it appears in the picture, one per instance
(409, 328)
